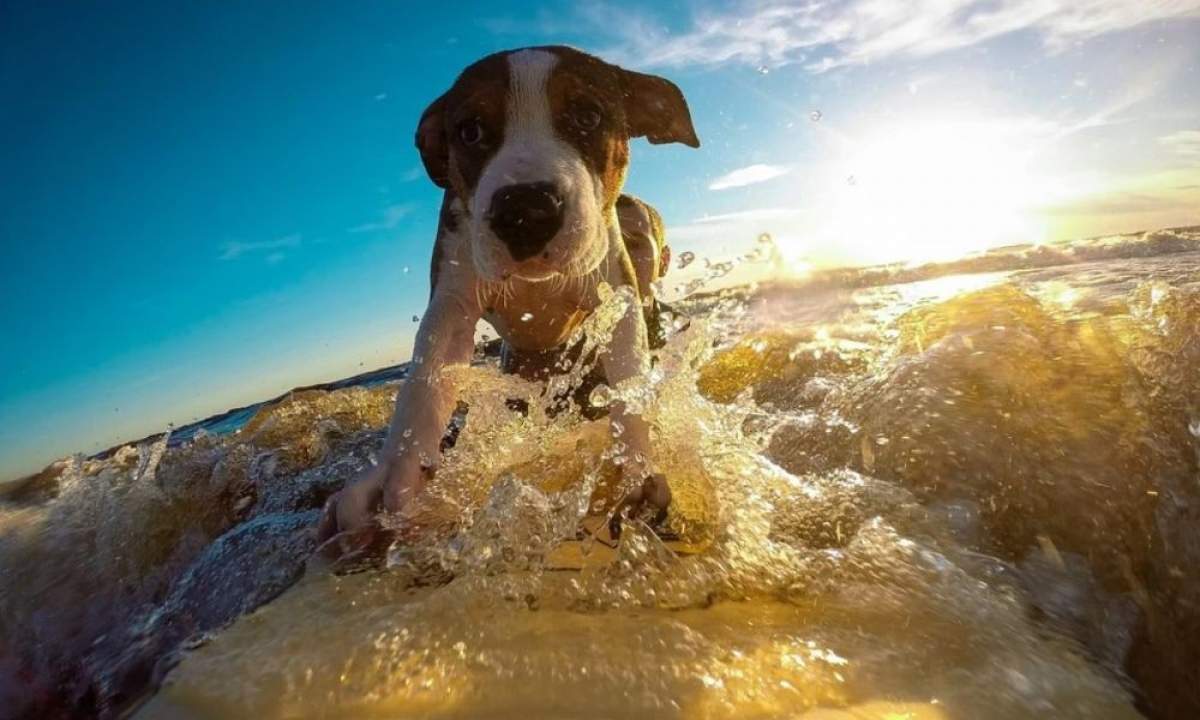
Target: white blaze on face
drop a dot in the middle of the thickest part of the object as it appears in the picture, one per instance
(532, 152)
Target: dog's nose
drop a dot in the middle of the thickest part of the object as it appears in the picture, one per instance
(525, 216)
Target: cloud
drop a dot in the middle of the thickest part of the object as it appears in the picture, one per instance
(1185, 144)
(274, 248)
(389, 220)
(749, 175)
(416, 172)
(822, 36)
(1118, 203)
(1130, 202)
(754, 215)
(711, 233)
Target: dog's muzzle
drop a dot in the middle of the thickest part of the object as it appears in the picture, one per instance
(525, 216)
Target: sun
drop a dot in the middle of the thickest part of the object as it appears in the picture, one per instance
(928, 191)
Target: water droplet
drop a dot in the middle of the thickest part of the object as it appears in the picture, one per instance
(405, 270)
(850, 180)
(765, 238)
(526, 317)
(763, 69)
(616, 427)
(601, 396)
(815, 116)
(686, 258)
(407, 432)
(416, 318)
(1194, 428)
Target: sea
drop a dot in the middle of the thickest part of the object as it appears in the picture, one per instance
(960, 490)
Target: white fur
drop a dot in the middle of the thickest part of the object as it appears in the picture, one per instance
(532, 152)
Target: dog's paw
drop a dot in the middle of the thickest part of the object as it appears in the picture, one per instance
(647, 503)
(354, 550)
(349, 524)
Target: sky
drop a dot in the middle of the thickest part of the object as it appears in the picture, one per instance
(205, 204)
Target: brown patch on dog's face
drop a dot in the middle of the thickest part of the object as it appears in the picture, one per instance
(587, 105)
(475, 122)
(463, 129)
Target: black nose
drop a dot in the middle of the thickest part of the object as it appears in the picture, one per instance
(525, 216)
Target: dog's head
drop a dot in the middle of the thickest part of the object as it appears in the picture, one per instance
(535, 144)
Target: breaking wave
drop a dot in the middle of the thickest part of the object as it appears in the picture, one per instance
(965, 495)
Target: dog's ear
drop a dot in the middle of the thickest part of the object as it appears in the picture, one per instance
(431, 142)
(655, 109)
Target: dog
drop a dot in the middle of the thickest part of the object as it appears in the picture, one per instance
(531, 147)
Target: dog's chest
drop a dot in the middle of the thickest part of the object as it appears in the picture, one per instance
(536, 316)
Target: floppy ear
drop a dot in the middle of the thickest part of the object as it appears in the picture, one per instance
(431, 142)
(655, 109)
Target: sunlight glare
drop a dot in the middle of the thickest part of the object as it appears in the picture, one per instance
(932, 191)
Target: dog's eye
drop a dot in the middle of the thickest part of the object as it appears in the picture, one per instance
(586, 117)
(470, 131)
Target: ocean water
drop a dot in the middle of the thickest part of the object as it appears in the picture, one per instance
(958, 491)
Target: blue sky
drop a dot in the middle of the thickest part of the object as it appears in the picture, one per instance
(205, 204)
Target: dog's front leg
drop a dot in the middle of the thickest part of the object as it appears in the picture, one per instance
(427, 398)
(628, 356)
(423, 407)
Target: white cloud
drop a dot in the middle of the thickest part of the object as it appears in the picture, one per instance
(414, 173)
(235, 249)
(1185, 143)
(389, 220)
(757, 214)
(710, 233)
(749, 175)
(826, 35)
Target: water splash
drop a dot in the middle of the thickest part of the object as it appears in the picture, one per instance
(788, 591)
(869, 492)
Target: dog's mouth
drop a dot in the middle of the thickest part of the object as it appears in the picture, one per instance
(537, 269)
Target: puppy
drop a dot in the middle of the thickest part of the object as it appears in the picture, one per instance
(531, 147)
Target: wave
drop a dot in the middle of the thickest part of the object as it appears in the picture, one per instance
(948, 495)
